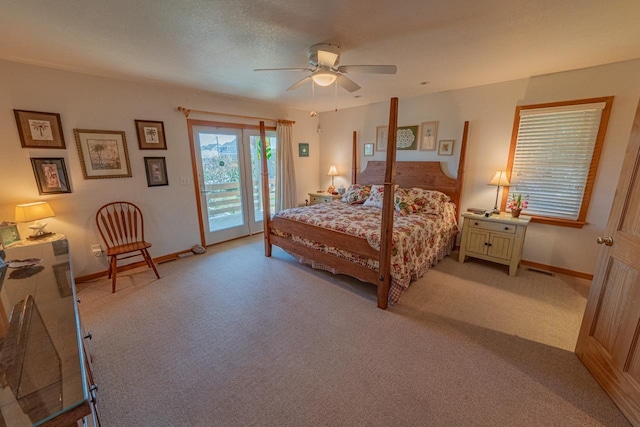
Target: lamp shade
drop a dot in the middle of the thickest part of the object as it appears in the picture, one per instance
(332, 171)
(500, 179)
(33, 211)
(324, 78)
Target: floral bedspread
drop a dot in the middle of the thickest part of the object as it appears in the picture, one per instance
(420, 239)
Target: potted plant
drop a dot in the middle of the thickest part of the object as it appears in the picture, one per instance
(517, 202)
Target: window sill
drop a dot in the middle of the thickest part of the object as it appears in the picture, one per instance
(558, 221)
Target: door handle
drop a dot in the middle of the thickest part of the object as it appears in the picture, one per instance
(607, 240)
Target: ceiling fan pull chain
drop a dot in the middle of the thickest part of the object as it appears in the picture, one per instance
(313, 99)
(336, 95)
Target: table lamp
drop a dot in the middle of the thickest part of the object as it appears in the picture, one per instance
(35, 212)
(332, 173)
(499, 179)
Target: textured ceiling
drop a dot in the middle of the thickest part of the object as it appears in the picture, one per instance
(215, 45)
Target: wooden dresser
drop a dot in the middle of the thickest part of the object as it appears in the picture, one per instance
(46, 370)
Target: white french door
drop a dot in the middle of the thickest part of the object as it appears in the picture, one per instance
(228, 169)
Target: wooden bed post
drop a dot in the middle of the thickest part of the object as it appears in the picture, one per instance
(354, 158)
(386, 229)
(266, 207)
(461, 165)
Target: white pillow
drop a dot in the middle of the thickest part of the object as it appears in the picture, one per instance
(376, 196)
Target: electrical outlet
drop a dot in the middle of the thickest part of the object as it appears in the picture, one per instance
(97, 250)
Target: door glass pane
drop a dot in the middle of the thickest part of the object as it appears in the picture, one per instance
(222, 182)
(256, 161)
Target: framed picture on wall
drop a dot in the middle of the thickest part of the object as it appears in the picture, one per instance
(428, 136)
(407, 138)
(368, 149)
(156, 168)
(51, 175)
(382, 133)
(103, 153)
(39, 130)
(446, 147)
(151, 135)
(303, 149)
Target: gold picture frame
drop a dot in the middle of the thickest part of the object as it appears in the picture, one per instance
(103, 153)
(39, 130)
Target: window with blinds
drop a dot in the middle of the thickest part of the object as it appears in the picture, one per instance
(555, 154)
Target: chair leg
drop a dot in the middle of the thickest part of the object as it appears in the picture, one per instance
(149, 260)
(114, 272)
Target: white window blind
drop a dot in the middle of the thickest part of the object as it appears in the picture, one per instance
(552, 158)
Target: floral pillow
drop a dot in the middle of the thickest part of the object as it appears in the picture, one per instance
(356, 194)
(405, 204)
(377, 195)
(428, 201)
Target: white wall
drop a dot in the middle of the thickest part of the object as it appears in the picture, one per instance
(490, 110)
(89, 102)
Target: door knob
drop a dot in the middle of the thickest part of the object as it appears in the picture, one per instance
(607, 240)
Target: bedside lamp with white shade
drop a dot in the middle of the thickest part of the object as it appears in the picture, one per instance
(35, 212)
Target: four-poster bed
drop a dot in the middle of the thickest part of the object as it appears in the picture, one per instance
(337, 246)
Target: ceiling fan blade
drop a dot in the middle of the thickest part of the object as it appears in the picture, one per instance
(347, 83)
(300, 83)
(374, 69)
(283, 69)
(327, 59)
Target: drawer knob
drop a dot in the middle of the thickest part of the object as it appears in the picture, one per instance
(506, 228)
(475, 223)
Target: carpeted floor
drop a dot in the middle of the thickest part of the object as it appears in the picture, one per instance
(231, 338)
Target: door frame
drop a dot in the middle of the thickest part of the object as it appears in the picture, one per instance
(194, 161)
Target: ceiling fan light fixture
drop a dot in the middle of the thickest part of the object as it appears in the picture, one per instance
(324, 78)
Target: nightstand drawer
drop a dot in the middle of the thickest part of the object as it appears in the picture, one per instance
(318, 199)
(492, 226)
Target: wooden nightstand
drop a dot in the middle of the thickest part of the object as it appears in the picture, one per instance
(315, 198)
(497, 238)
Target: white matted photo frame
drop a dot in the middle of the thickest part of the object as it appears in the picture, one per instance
(446, 147)
(368, 149)
(103, 153)
(428, 136)
(39, 130)
(151, 135)
(51, 175)
(382, 134)
(156, 168)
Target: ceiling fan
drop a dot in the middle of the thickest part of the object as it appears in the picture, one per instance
(324, 59)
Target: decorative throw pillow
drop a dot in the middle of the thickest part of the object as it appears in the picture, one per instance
(405, 204)
(377, 195)
(429, 201)
(356, 194)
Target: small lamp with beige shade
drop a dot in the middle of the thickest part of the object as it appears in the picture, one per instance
(332, 173)
(499, 180)
(35, 212)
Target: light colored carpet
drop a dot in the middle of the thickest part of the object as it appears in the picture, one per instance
(231, 338)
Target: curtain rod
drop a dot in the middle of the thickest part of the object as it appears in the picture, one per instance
(187, 111)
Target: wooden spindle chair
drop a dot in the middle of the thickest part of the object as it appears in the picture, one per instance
(121, 226)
